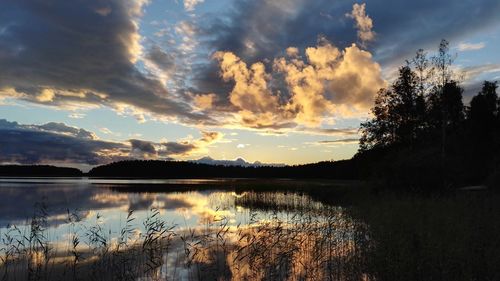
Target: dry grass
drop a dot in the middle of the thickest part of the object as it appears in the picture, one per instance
(389, 237)
(309, 245)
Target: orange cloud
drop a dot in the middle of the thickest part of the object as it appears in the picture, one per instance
(330, 82)
(364, 23)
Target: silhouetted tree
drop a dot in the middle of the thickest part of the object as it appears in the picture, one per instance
(379, 131)
(483, 111)
(446, 108)
(409, 108)
(421, 116)
(442, 62)
(398, 114)
(423, 70)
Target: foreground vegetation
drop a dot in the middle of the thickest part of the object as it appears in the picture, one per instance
(453, 237)
(302, 247)
(384, 236)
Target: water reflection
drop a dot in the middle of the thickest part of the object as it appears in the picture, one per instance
(206, 234)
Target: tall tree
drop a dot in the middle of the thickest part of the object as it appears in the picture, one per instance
(483, 112)
(423, 70)
(409, 106)
(442, 63)
(380, 130)
(398, 114)
(445, 94)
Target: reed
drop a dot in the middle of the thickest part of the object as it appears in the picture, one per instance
(392, 239)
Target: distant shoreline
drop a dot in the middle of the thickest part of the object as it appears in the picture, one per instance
(156, 169)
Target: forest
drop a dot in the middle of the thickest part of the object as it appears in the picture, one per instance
(423, 136)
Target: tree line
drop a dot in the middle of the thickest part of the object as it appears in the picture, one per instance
(421, 116)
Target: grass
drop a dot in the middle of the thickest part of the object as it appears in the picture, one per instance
(302, 247)
(383, 236)
(453, 237)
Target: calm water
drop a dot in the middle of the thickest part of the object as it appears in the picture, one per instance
(75, 207)
(112, 199)
(82, 229)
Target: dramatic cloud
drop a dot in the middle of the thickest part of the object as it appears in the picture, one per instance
(250, 95)
(55, 142)
(329, 83)
(363, 22)
(264, 75)
(269, 92)
(59, 143)
(270, 26)
(82, 53)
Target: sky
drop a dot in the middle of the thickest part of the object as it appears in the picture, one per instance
(88, 82)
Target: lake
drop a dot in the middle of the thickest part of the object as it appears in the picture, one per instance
(242, 229)
(203, 230)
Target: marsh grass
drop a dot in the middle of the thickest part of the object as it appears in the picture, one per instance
(388, 237)
(453, 237)
(304, 246)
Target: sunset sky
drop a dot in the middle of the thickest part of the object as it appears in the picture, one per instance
(87, 82)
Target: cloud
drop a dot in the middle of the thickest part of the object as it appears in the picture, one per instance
(91, 53)
(210, 137)
(364, 23)
(76, 115)
(46, 95)
(250, 95)
(60, 143)
(328, 131)
(62, 128)
(401, 26)
(178, 148)
(475, 73)
(106, 131)
(340, 141)
(464, 46)
(204, 101)
(143, 149)
(190, 5)
(160, 59)
(475, 76)
(330, 82)
(154, 150)
(55, 143)
(83, 53)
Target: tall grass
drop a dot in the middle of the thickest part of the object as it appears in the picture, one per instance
(388, 237)
(304, 246)
(455, 237)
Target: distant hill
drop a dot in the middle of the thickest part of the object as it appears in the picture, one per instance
(344, 169)
(238, 162)
(38, 171)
